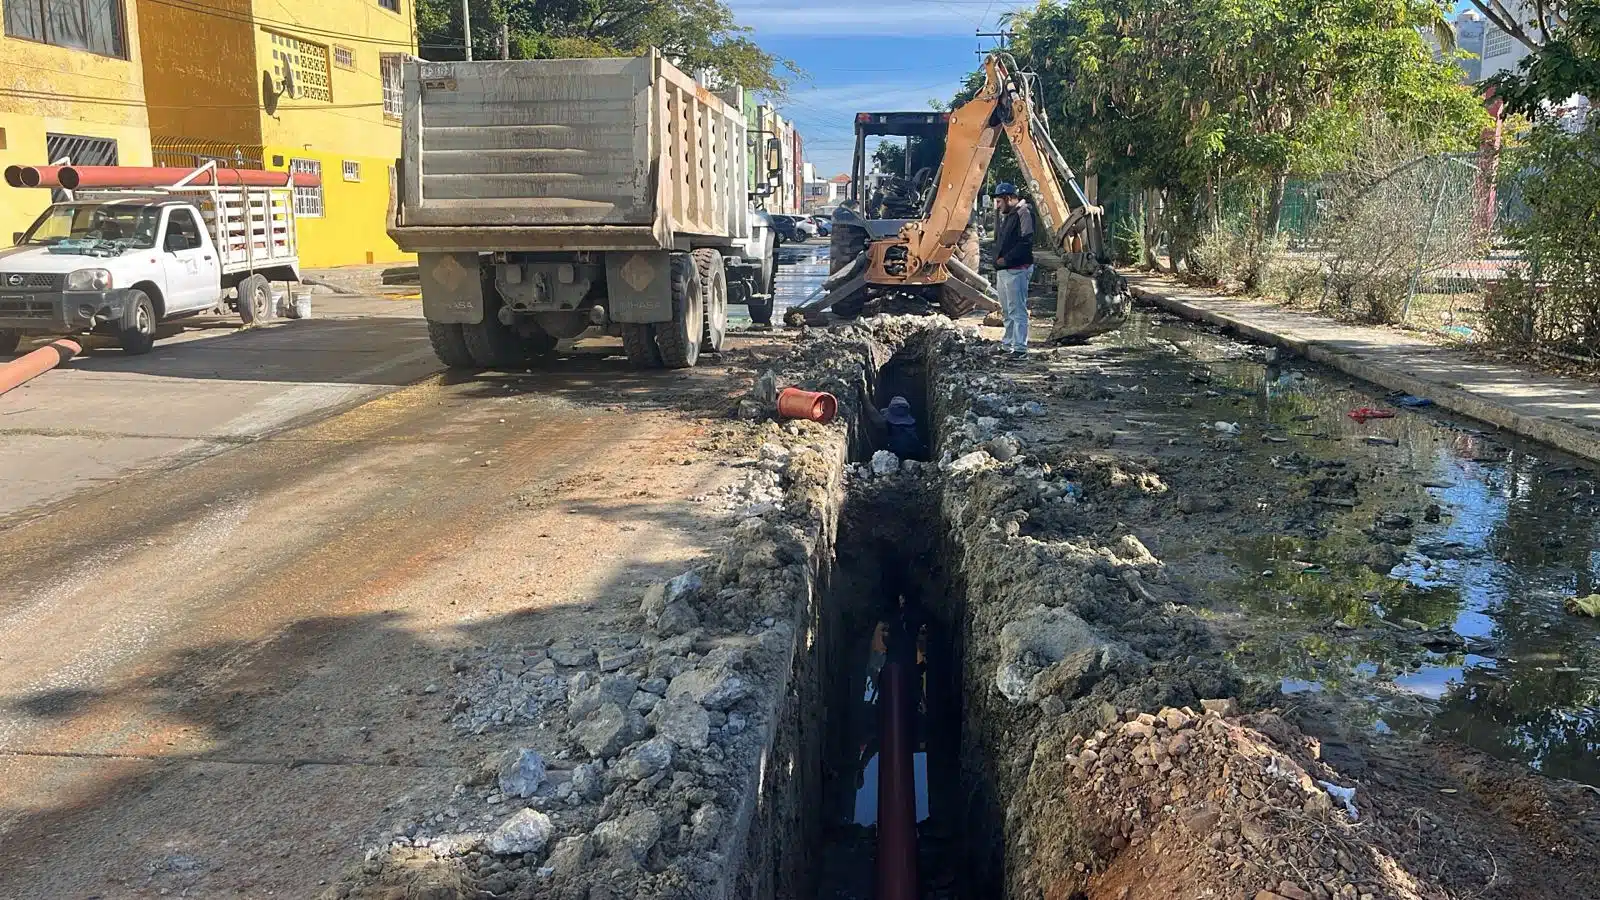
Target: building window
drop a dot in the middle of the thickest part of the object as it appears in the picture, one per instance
(303, 63)
(392, 68)
(93, 25)
(344, 57)
(390, 5)
(352, 170)
(307, 200)
(1495, 42)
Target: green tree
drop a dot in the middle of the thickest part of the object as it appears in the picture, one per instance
(694, 34)
(1181, 98)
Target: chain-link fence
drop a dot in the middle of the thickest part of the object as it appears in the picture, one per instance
(1389, 240)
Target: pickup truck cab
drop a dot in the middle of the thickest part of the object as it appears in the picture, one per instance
(120, 265)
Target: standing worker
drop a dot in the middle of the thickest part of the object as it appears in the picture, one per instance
(1013, 263)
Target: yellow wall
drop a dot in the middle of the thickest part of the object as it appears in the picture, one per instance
(200, 74)
(350, 126)
(86, 94)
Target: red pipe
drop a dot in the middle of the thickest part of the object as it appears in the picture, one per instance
(897, 779)
(75, 177)
(30, 366)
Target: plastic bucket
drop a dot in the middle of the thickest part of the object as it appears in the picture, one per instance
(301, 307)
(818, 406)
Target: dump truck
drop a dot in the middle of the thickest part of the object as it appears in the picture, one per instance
(546, 199)
(130, 247)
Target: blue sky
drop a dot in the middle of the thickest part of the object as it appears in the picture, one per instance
(866, 55)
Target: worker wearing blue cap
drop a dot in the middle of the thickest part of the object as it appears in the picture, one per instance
(1013, 264)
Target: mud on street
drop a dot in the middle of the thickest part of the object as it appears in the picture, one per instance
(1186, 631)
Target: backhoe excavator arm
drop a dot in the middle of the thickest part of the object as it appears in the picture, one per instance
(1002, 106)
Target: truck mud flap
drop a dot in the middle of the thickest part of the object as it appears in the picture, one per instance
(452, 287)
(639, 287)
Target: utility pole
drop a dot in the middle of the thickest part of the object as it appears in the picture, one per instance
(505, 40)
(466, 27)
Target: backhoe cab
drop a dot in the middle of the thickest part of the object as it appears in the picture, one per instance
(912, 234)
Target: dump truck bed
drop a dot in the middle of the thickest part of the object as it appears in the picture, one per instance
(566, 153)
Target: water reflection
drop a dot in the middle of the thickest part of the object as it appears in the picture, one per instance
(1463, 631)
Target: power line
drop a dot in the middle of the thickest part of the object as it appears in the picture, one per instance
(248, 19)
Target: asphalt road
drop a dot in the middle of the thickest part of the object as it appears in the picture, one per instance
(207, 387)
(231, 568)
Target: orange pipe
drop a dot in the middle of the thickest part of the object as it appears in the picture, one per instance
(30, 366)
(818, 406)
(81, 177)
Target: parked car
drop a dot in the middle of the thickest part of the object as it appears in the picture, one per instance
(824, 225)
(793, 229)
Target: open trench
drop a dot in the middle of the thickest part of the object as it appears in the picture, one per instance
(1001, 576)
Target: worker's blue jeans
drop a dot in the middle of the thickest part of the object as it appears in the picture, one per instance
(1012, 286)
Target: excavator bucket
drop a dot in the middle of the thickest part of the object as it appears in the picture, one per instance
(1088, 306)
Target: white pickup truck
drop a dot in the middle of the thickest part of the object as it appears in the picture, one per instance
(121, 262)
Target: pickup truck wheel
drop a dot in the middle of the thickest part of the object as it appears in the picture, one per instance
(255, 300)
(679, 340)
(491, 343)
(137, 335)
(713, 272)
(9, 341)
(449, 344)
(761, 310)
(639, 342)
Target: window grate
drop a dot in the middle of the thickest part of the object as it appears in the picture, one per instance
(352, 170)
(344, 57)
(83, 151)
(306, 63)
(307, 200)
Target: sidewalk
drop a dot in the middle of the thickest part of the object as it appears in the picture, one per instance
(1562, 412)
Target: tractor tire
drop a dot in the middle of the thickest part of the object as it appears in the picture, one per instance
(713, 273)
(449, 344)
(639, 342)
(137, 334)
(491, 343)
(679, 340)
(255, 301)
(845, 244)
(952, 303)
(11, 340)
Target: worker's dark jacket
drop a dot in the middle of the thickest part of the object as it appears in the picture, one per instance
(1013, 242)
(903, 440)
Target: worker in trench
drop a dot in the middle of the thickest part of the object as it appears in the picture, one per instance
(893, 428)
(1013, 264)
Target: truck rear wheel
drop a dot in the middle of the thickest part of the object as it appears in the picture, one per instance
(713, 274)
(639, 342)
(449, 344)
(761, 310)
(845, 244)
(9, 341)
(137, 335)
(679, 340)
(255, 300)
(492, 344)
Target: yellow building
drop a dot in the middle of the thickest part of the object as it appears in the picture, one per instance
(293, 85)
(72, 86)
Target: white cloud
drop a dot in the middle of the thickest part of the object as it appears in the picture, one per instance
(871, 19)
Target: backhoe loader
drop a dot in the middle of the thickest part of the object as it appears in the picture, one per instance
(934, 254)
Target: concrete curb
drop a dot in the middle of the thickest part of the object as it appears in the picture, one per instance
(1565, 437)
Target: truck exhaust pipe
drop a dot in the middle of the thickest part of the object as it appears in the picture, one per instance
(29, 366)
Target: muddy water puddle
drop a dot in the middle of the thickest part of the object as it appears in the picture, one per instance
(1432, 599)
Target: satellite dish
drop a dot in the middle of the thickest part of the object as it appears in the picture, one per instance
(288, 83)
